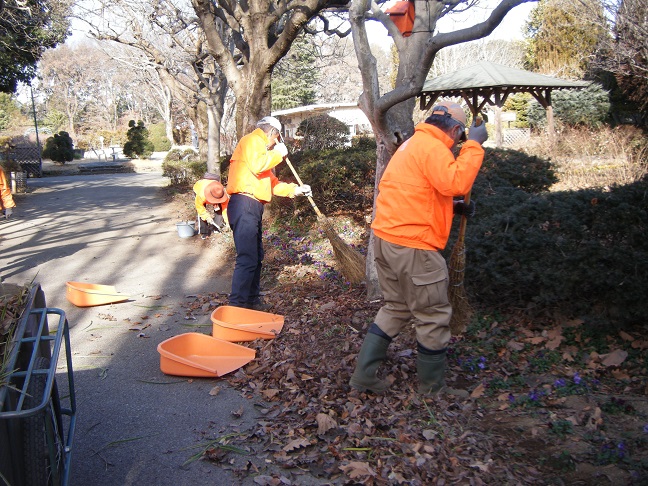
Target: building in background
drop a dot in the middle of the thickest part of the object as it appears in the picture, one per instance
(348, 113)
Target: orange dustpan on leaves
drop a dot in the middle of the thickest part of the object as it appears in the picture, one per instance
(84, 294)
(196, 354)
(238, 324)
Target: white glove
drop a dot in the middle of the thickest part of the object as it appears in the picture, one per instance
(304, 190)
(281, 148)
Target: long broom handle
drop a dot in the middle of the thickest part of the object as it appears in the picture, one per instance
(310, 198)
(464, 220)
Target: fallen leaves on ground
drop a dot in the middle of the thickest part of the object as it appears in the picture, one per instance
(553, 401)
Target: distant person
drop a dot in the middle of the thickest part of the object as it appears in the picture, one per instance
(414, 210)
(6, 199)
(251, 184)
(209, 191)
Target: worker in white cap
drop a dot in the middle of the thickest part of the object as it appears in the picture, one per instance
(251, 184)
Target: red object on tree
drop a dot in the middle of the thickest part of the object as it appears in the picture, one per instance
(402, 14)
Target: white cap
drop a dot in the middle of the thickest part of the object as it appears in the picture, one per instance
(270, 120)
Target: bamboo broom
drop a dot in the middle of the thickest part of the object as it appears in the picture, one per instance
(351, 262)
(462, 311)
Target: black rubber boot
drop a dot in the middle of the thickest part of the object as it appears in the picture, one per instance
(372, 353)
(430, 367)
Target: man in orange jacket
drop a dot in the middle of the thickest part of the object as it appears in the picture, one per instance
(251, 184)
(414, 211)
(6, 199)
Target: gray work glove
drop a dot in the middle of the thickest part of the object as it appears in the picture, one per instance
(463, 209)
(8, 212)
(478, 132)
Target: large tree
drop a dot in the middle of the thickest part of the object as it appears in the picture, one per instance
(262, 32)
(390, 113)
(624, 53)
(294, 82)
(174, 45)
(27, 29)
(630, 51)
(563, 37)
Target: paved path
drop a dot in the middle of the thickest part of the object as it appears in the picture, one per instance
(114, 229)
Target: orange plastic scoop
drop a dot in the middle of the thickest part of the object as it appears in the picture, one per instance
(196, 354)
(87, 294)
(237, 324)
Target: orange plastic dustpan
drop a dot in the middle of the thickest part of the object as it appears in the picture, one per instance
(196, 354)
(87, 294)
(237, 324)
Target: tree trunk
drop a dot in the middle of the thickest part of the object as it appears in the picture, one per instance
(213, 134)
(391, 114)
(253, 102)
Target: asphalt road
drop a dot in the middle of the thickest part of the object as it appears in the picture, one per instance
(114, 229)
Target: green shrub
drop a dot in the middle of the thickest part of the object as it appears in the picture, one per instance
(580, 252)
(59, 148)
(363, 143)
(341, 180)
(138, 144)
(157, 135)
(579, 107)
(183, 167)
(323, 132)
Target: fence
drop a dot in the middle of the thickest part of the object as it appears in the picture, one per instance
(27, 158)
(515, 136)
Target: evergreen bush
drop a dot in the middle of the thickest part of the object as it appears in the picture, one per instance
(59, 148)
(582, 253)
(341, 180)
(580, 107)
(183, 166)
(157, 135)
(138, 145)
(323, 132)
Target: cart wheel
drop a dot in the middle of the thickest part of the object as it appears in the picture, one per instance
(38, 469)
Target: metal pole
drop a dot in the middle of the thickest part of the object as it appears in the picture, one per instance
(40, 160)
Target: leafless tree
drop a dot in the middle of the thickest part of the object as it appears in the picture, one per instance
(174, 46)
(507, 53)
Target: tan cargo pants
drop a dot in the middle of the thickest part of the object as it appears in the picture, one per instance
(415, 285)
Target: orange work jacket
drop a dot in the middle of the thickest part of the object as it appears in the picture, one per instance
(200, 202)
(5, 192)
(414, 204)
(250, 170)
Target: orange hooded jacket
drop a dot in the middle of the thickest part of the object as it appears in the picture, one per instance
(250, 170)
(414, 204)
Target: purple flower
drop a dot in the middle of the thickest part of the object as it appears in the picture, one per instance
(577, 379)
(645, 429)
(559, 383)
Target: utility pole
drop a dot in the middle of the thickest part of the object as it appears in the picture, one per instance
(40, 160)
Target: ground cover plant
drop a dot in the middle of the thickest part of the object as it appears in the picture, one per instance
(554, 362)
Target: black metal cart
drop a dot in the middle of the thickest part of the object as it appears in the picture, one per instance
(36, 421)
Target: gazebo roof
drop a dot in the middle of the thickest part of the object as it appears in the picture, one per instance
(486, 79)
